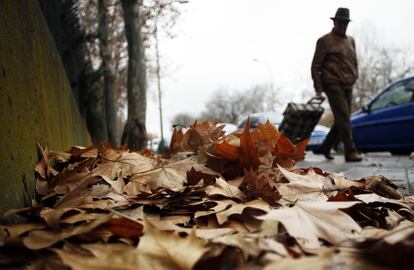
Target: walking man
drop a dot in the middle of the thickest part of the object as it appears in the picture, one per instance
(334, 71)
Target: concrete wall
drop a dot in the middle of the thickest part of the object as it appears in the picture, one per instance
(36, 101)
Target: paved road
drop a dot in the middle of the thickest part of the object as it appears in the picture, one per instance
(399, 169)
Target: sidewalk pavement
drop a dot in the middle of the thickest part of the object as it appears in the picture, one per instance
(399, 169)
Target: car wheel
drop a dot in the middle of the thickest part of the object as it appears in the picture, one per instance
(401, 152)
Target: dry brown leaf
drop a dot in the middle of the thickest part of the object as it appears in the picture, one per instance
(223, 189)
(220, 206)
(372, 197)
(82, 216)
(108, 256)
(260, 186)
(69, 179)
(196, 137)
(393, 248)
(169, 175)
(238, 208)
(329, 259)
(156, 250)
(76, 197)
(38, 239)
(382, 186)
(342, 183)
(199, 173)
(3, 235)
(309, 187)
(44, 168)
(115, 163)
(85, 152)
(226, 208)
(13, 231)
(53, 216)
(269, 244)
(170, 224)
(245, 244)
(308, 221)
(47, 263)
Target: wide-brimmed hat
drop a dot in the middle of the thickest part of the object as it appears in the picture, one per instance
(342, 14)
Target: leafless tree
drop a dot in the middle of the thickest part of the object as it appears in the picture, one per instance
(229, 107)
(106, 53)
(105, 40)
(134, 134)
(183, 120)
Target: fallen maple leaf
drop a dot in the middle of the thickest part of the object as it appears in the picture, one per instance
(223, 189)
(311, 186)
(196, 137)
(123, 227)
(115, 163)
(194, 176)
(254, 186)
(248, 152)
(238, 208)
(309, 221)
(176, 140)
(156, 250)
(170, 175)
(38, 239)
(265, 137)
(229, 148)
(287, 154)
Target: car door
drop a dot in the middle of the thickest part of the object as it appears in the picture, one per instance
(389, 122)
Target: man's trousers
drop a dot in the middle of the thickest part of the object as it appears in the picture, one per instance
(340, 99)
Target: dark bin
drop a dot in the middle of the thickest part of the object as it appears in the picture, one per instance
(300, 119)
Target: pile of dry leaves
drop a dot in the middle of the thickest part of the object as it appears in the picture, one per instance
(216, 202)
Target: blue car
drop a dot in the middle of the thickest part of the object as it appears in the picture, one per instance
(317, 137)
(386, 123)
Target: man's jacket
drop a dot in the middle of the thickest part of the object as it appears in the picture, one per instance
(334, 61)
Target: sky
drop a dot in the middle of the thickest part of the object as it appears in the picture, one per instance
(217, 42)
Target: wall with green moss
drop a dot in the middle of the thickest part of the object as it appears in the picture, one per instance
(36, 101)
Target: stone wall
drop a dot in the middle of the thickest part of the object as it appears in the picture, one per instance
(36, 101)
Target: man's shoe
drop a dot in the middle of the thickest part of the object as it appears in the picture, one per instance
(326, 153)
(353, 157)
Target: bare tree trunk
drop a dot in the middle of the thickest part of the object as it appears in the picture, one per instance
(134, 134)
(109, 74)
(95, 115)
(93, 103)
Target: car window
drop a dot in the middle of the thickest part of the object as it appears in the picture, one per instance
(410, 86)
(396, 95)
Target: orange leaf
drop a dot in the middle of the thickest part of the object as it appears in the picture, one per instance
(287, 154)
(123, 227)
(248, 153)
(265, 137)
(227, 150)
(176, 139)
